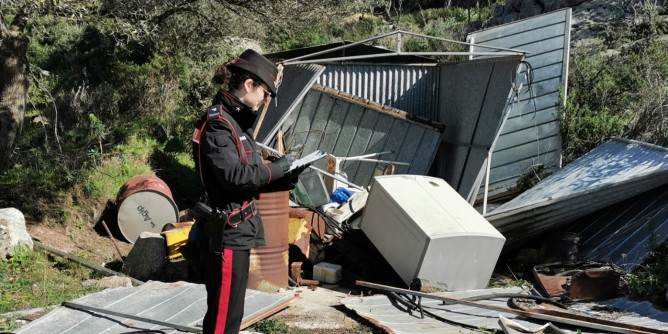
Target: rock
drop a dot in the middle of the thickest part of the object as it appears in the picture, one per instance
(147, 258)
(530, 8)
(13, 231)
(111, 282)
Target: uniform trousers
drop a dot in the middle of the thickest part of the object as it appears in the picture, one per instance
(226, 279)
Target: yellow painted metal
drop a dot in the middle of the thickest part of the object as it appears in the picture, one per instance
(175, 239)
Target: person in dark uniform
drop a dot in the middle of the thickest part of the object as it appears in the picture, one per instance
(234, 173)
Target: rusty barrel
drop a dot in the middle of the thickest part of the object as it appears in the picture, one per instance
(269, 264)
(144, 204)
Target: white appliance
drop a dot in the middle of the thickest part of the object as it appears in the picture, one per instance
(426, 230)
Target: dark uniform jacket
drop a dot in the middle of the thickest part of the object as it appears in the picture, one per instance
(231, 168)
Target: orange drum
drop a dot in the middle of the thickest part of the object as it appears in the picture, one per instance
(145, 204)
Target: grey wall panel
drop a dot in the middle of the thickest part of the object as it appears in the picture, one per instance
(546, 37)
(347, 126)
(529, 106)
(528, 120)
(514, 154)
(532, 135)
(474, 95)
(506, 172)
(411, 88)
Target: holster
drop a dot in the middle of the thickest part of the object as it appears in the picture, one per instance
(214, 225)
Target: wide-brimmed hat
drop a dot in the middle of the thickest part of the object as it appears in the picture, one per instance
(262, 67)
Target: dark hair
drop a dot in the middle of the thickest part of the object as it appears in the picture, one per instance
(233, 77)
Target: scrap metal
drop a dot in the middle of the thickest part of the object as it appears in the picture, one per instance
(547, 315)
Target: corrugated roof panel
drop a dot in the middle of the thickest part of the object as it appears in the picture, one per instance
(394, 318)
(297, 79)
(347, 126)
(178, 303)
(624, 233)
(547, 38)
(614, 171)
(411, 88)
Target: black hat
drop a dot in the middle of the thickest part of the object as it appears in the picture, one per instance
(262, 67)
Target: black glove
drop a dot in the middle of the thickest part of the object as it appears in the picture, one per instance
(295, 172)
(284, 162)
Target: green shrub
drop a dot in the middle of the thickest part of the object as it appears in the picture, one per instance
(33, 279)
(650, 279)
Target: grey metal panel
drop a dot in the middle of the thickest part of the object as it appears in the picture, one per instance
(297, 79)
(474, 95)
(393, 317)
(411, 88)
(546, 37)
(345, 126)
(624, 233)
(178, 303)
(614, 171)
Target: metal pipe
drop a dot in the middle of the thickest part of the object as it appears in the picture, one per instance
(336, 177)
(106, 228)
(382, 161)
(553, 316)
(289, 61)
(83, 262)
(399, 44)
(316, 169)
(133, 317)
(392, 54)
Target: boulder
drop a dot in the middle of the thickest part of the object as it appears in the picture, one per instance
(111, 282)
(147, 258)
(13, 231)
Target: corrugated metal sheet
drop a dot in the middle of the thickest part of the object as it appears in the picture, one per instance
(531, 134)
(473, 96)
(178, 303)
(346, 126)
(297, 79)
(624, 233)
(393, 317)
(614, 171)
(411, 88)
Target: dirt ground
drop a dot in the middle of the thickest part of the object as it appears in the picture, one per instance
(319, 311)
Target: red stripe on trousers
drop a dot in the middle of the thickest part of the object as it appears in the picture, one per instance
(225, 287)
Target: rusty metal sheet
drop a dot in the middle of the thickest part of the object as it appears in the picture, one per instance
(594, 284)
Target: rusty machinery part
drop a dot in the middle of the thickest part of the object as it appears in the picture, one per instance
(428, 286)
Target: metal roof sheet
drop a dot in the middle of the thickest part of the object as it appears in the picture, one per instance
(297, 80)
(612, 172)
(625, 233)
(393, 317)
(344, 125)
(411, 88)
(178, 303)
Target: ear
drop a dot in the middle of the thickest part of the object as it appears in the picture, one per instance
(248, 85)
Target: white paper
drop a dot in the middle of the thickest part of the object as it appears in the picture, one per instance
(307, 160)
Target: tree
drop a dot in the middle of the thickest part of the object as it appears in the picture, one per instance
(13, 85)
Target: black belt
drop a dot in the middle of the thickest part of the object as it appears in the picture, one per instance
(240, 215)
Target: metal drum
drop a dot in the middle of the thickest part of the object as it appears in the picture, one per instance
(269, 264)
(145, 204)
